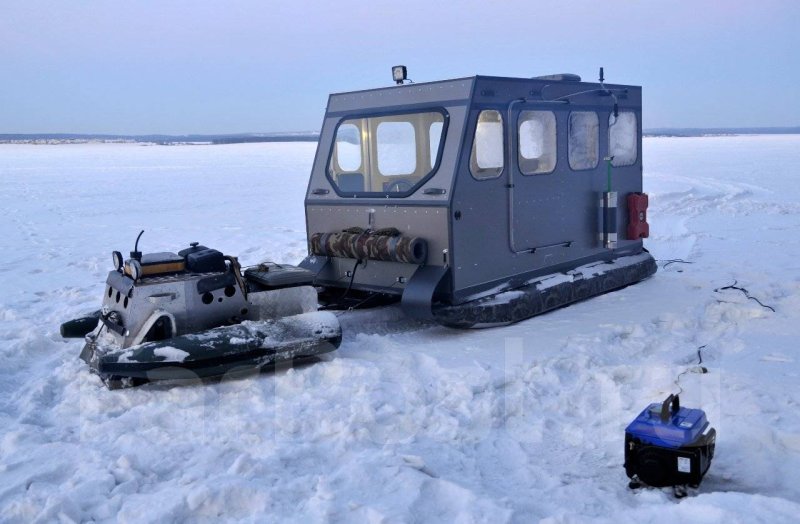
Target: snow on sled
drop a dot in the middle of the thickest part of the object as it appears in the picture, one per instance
(473, 202)
(216, 352)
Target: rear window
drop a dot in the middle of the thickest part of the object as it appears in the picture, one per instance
(623, 138)
(388, 155)
(584, 128)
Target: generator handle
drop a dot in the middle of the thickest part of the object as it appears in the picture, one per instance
(671, 405)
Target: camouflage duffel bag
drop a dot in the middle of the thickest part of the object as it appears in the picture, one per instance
(384, 244)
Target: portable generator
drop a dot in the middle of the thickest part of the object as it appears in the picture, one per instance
(667, 445)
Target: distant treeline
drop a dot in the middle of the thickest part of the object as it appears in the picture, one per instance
(312, 136)
(700, 131)
(163, 139)
(298, 137)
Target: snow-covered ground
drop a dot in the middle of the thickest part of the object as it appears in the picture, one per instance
(407, 421)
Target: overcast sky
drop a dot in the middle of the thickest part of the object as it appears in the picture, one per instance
(161, 66)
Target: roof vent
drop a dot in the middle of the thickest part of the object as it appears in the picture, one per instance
(560, 77)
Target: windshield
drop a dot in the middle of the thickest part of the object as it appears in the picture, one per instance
(385, 155)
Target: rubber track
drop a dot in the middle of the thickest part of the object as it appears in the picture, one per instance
(488, 311)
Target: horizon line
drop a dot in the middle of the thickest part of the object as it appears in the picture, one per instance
(278, 134)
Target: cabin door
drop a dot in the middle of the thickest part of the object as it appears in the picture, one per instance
(539, 199)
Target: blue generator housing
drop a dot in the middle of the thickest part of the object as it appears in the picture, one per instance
(667, 445)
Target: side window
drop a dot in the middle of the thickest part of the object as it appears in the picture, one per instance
(397, 148)
(583, 140)
(348, 148)
(486, 160)
(623, 138)
(537, 142)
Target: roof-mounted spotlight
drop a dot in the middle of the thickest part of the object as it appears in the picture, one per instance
(399, 74)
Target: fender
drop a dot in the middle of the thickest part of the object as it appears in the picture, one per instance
(417, 301)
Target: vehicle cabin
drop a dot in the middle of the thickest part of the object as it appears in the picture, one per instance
(503, 178)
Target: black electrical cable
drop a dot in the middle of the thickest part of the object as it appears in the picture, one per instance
(357, 304)
(136, 245)
(338, 302)
(678, 381)
(616, 102)
(746, 293)
(363, 301)
(570, 95)
(352, 278)
(236, 269)
(370, 297)
(696, 369)
(673, 261)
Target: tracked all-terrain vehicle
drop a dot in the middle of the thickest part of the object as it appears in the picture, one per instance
(472, 202)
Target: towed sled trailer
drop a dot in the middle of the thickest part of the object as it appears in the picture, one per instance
(197, 314)
(473, 202)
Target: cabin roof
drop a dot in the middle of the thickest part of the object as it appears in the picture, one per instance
(479, 88)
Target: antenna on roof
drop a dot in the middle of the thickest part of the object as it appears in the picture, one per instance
(616, 105)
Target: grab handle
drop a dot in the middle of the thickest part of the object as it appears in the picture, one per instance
(671, 405)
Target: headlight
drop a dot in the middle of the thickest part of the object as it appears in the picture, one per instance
(116, 256)
(134, 268)
(399, 73)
